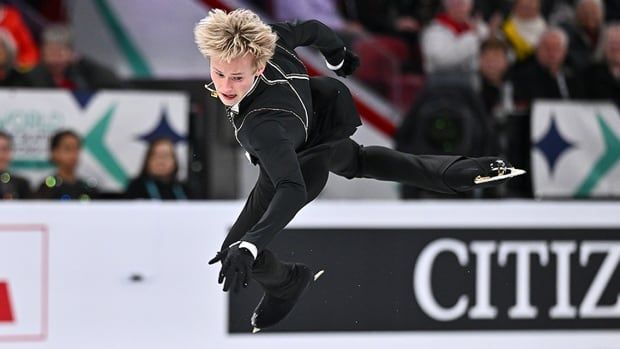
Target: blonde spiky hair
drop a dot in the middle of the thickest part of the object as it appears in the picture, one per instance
(227, 36)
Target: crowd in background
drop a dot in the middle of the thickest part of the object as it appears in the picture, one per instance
(496, 57)
(157, 179)
(47, 59)
(48, 62)
(546, 49)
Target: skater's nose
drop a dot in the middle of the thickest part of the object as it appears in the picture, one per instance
(227, 87)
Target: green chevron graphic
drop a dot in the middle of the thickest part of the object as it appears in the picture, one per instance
(606, 162)
(136, 60)
(94, 143)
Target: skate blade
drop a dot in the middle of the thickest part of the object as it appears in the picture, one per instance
(318, 275)
(255, 330)
(513, 173)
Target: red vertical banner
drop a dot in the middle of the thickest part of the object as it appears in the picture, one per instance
(6, 311)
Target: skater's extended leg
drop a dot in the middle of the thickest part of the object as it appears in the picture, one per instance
(351, 160)
(440, 173)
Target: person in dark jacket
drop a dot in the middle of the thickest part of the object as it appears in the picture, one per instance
(297, 129)
(546, 76)
(11, 186)
(585, 34)
(65, 184)
(158, 177)
(9, 75)
(602, 79)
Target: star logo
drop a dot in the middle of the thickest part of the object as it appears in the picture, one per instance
(163, 130)
(553, 145)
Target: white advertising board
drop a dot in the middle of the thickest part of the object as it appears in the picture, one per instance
(69, 270)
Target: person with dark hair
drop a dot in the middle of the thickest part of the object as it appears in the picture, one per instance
(65, 149)
(11, 186)
(494, 65)
(546, 75)
(9, 75)
(158, 177)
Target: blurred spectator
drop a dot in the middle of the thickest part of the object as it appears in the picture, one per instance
(398, 19)
(25, 47)
(546, 76)
(524, 27)
(158, 177)
(603, 79)
(450, 44)
(584, 34)
(325, 11)
(9, 76)
(494, 65)
(61, 67)
(11, 186)
(390, 17)
(65, 149)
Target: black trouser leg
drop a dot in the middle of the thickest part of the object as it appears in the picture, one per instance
(276, 277)
(273, 275)
(351, 160)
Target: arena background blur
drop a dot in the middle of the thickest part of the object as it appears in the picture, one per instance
(103, 107)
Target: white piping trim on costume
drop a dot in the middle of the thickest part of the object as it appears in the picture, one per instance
(261, 109)
(248, 92)
(290, 53)
(296, 93)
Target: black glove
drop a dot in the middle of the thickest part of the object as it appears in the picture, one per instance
(236, 267)
(350, 64)
(461, 174)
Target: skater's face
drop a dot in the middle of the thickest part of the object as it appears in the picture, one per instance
(234, 79)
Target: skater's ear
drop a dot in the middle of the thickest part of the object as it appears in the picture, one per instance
(259, 70)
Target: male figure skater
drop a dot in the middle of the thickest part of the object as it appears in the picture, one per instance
(297, 129)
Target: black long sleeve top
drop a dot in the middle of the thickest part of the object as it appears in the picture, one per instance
(273, 121)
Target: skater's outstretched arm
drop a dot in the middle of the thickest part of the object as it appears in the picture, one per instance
(308, 33)
(254, 208)
(277, 157)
